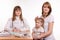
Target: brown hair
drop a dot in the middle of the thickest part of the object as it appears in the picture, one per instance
(42, 21)
(14, 15)
(49, 6)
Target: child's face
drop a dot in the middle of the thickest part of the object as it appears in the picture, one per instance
(38, 23)
(18, 12)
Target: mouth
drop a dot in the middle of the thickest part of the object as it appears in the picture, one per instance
(45, 10)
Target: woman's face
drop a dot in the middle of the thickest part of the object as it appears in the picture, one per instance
(18, 12)
(45, 10)
(38, 23)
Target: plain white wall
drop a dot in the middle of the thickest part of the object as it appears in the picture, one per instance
(30, 9)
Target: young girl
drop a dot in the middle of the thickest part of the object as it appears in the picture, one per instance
(38, 29)
(17, 25)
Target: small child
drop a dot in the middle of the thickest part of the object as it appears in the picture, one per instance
(38, 29)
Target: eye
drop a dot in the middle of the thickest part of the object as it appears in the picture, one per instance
(44, 6)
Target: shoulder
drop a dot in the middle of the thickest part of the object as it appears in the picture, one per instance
(41, 29)
(33, 28)
(24, 19)
(50, 18)
(10, 19)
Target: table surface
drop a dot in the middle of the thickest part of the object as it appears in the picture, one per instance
(15, 38)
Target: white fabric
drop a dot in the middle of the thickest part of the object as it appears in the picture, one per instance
(38, 31)
(4, 34)
(48, 19)
(17, 24)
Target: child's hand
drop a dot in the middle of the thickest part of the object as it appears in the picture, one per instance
(34, 36)
(39, 37)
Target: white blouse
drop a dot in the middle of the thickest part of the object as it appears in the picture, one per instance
(18, 24)
(48, 19)
(38, 31)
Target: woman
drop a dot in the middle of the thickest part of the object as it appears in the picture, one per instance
(17, 24)
(49, 22)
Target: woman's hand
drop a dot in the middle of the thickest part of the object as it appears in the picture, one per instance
(16, 30)
(39, 37)
(34, 37)
(27, 30)
(5, 30)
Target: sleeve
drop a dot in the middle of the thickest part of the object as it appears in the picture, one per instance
(51, 19)
(33, 30)
(42, 30)
(26, 24)
(8, 25)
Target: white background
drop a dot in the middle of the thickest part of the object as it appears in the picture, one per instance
(30, 9)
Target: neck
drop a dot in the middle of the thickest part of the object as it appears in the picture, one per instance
(37, 27)
(17, 16)
(44, 15)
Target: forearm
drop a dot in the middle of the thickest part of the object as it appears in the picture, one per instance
(6, 30)
(33, 34)
(27, 31)
(45, 34)
(50, 29)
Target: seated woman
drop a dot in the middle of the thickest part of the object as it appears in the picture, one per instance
(17, 25)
